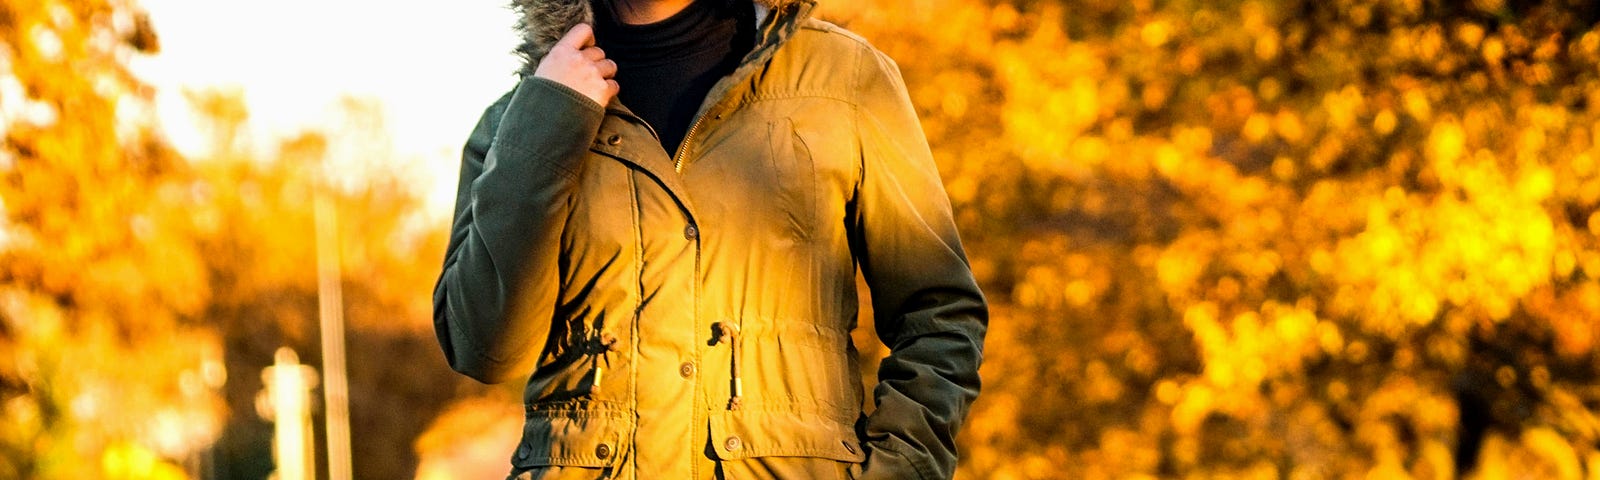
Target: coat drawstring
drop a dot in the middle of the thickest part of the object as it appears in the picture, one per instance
(729, 333)
(603, 345)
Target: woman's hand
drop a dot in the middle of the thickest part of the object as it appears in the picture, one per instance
(575, 62)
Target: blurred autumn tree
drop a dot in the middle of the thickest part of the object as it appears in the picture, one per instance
(141, 293)
(105, 373)
(1273, 239)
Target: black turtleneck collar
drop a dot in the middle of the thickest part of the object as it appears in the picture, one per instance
(666, 68)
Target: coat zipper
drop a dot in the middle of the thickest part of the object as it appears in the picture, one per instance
(677, 159)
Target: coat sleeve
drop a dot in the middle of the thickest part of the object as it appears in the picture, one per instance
(928, 308)
(497, 292)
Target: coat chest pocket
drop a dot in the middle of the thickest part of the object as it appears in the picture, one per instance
(793, 174)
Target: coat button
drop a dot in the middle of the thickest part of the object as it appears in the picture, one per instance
(690, 232)
(614, 140)
(603, 451)
(686, 370)
(733, 444)
(849, 448)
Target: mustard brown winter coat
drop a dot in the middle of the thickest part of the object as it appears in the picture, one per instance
(685, 315)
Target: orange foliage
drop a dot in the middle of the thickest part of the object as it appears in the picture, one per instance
(1248, 238)
(97, 270)
(141, 293)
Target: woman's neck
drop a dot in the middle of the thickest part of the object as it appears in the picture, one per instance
(642, 12)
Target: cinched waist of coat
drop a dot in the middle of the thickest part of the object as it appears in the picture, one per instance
(727, 333)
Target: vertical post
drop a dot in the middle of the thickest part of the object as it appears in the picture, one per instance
(330, 307)
(288, 403)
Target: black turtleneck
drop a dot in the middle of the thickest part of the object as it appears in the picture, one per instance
(666, 68)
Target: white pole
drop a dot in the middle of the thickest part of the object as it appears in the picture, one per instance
(330, 307)
(288, 385)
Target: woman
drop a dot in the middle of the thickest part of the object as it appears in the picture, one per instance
(663, 222)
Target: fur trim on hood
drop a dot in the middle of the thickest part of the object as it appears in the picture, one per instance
(542, 22)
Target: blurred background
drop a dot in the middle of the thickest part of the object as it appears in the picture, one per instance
(1223, 238)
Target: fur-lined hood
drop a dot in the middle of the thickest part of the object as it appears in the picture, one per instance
(542, 22)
